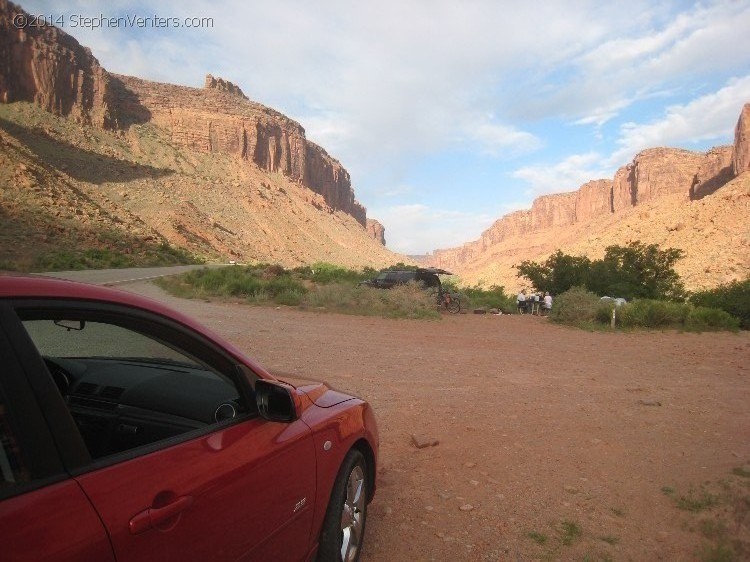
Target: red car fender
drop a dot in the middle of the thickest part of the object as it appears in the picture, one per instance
(335, 431)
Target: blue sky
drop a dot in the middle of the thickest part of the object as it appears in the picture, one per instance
(450, 114)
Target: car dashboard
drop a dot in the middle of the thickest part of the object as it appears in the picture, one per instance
(123, 403)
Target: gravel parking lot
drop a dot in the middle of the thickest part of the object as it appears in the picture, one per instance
(553, 443)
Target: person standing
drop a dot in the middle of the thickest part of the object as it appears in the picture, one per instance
(547, 303)
(521, 301)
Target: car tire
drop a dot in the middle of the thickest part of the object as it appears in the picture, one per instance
(344, 524)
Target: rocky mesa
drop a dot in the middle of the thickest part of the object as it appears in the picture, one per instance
(668, 182)
(44, 65)
(186, 142)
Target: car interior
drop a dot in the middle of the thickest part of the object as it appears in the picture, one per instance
(125, 389)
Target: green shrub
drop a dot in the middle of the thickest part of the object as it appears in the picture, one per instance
(290, 297)
(702, 318)
(733, 298)
(105, 258)
(493, 297)
(603, 314)
(284, 284)
(575, 306)
(324, 273)
(403, 301)
(258, 283)
(647, 313)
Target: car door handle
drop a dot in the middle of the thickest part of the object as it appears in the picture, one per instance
(153, 516)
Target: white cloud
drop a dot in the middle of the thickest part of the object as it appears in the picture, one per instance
(496, 140)
(708, 117)
(567, 175)
(647, 55)
(418, 229)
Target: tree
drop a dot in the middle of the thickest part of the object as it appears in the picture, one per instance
(633, 271)
(733, 298)
(638, 271)
(557, 274)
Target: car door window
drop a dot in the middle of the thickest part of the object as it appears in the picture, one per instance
(126, 389)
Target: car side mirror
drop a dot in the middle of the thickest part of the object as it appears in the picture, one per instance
(275, 401)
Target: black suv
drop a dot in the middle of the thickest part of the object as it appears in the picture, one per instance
(390, 278)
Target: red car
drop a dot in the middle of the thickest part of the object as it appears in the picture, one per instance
(129, 432)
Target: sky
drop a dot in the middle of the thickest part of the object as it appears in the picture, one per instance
(450, 114)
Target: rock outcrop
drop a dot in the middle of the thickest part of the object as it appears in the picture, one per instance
(376, 230)
(217, 120)
(223, 86)
(593, 199)
(741, 154)
(653, 173)
(46, 66)
(714, 171)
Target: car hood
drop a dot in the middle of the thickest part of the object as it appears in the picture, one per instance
(320, 393)
(324, 396)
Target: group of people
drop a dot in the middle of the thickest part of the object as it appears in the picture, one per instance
(534, 303)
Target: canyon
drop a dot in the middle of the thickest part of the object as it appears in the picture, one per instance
(91, 160)
(204, 169)
(697, 202)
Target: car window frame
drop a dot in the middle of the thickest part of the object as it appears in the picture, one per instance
(74, 453)
(26, 419)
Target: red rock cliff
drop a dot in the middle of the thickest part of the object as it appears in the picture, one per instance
(714, 171)
(46, 66)
(221, 120)
(652, 173)
(741, 154)
(376, 230)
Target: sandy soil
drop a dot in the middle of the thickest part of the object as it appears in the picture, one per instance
(543, 431)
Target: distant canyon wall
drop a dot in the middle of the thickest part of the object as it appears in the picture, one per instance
(44, 65)
(652, 173)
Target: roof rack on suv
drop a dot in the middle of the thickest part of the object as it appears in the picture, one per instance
(389, 278)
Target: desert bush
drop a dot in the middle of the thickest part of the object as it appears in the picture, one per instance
(662, 314)
(733, 298)
(702, 318)
(647, 313)
(492, 297)
(290, 297)
(323, 273)
(256, 283)
(603, 314)
(575, 306)
(403, 301)
(105, 258)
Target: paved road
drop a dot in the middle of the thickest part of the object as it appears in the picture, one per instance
(119, 276)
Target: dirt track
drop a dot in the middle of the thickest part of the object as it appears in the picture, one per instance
(543, 430)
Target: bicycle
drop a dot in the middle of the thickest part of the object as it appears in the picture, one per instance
(447, 301)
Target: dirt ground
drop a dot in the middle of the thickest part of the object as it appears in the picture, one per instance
(554, 443)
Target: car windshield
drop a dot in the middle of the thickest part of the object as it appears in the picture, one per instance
(94, 339)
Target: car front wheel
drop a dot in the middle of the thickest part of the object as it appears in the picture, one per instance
(344, 524)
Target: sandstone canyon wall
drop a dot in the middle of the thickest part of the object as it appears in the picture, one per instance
(46, 66)
(653, 174)
(741, 153)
